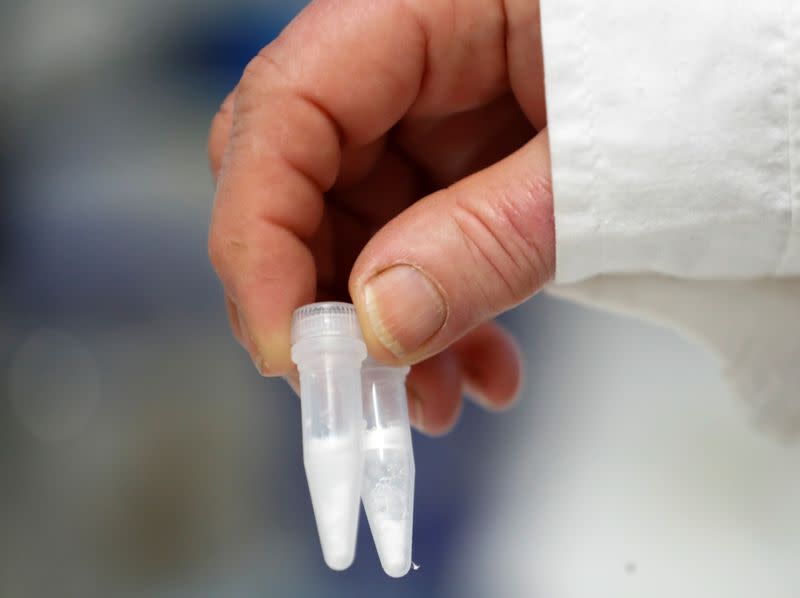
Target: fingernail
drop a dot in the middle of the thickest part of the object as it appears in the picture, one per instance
(405, 309)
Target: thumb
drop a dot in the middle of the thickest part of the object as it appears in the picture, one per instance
(458, 257)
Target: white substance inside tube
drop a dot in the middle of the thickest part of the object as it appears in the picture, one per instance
(395, 552)
(396, 437)
(333, 471)
(388, 494)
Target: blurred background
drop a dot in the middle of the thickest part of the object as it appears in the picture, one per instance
(141, 455)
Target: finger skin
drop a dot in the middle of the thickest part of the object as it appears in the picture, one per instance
(233, 320)
(299, 101)
(452, 147)
(434, 393)
(220, 133)
(491, 366)
(486, 244)
(525, 58)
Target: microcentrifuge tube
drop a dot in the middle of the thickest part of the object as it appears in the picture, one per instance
(328, 348)
(388, 482)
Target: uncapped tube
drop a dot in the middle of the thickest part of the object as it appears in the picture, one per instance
(328, 349)
(388, 483)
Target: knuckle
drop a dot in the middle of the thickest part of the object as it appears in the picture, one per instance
(219, 131)
(263, 71)
(529, 214)
(225, 110)
(222, 250)
(508, 235)
(216, 255)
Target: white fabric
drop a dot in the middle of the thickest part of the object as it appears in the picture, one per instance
(753, 326)
(675, 139)
(671, 125)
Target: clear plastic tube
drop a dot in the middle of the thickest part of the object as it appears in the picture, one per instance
(328, 349)
(388, 481)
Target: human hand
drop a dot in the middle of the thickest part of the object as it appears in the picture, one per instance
(395, 153)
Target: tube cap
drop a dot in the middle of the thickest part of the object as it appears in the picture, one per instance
(325, 319)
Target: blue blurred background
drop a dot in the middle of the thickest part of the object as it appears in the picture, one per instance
(141, 455)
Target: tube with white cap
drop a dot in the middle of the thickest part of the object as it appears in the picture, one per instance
(328, 348)
(388, 482)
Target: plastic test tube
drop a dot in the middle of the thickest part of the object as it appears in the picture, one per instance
(328, 349)
(388, 482)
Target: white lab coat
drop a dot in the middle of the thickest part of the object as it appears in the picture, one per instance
(675, 139)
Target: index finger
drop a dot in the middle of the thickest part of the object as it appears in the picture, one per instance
(344, 72)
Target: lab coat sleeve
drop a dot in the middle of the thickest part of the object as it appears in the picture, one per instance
(675, 137)
(675, 141)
